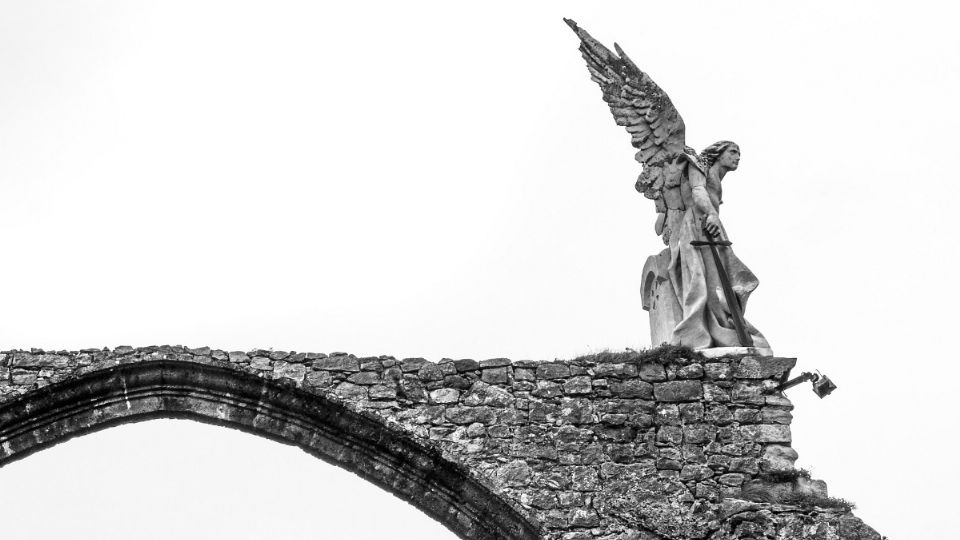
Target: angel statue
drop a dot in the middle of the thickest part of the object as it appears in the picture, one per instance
(696, 288)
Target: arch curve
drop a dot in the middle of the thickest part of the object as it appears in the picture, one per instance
(277, 410)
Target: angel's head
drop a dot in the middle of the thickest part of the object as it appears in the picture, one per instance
(726, 154)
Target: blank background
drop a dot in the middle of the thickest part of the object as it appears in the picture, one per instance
(443, 180)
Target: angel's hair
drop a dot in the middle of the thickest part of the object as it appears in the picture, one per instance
(712, 152)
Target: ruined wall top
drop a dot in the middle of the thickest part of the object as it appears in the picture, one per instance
(664, 444)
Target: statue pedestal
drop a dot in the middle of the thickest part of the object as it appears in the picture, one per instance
(717, 352)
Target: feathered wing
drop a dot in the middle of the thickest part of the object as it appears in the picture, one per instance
(646, 111)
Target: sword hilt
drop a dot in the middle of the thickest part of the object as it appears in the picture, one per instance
(699, 243)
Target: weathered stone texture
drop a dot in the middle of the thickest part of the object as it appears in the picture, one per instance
(578, 449)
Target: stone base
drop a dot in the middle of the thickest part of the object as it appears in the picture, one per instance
(717, 352)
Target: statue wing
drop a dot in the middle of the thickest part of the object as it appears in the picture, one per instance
(654, 124)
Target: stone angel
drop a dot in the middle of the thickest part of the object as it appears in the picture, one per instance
(683, 286)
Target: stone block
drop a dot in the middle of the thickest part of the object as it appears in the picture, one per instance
(584, 478)
(719, 462)
(718, 415)
(337, 363)
(482, 393)
(809, 486)
(746, 416)
(747, 392)
(582, 517)
(523, 374)
(757, 367)
(570, 499)
(514, 474)
(775, 416)
(351, 391)
(641, 420)
(23, 377)
(430, 372)
(779, 401)
(494, 362)
(716, 394)
(616, 434)
(539, 498)
(667, 414)
(466, 365)
(547, 389)
(691, 412)
(553, 370)
(409, 365)
(392, 373)
(365, 377)
(320, 379)
(469, 415)
(284, 370)
(718, 371)
(261, 363)
(693, 371)
(667, 464)
(674, 391)
(495, 375)
(457, 381)
(731, 479)
(532, 451)
(578, 385)
(410, 387)
(446, 366)
(778, 458)
(544, 412)
(620, 371)
(278, 355)
(652, 372)
(695, 472)
(767, 433)
(500, 431)
(744, 465)
(445, 395)
(632, 388)
(577, 411)
(614, 419)
(699, 434)
(476, 430)
(671, 435)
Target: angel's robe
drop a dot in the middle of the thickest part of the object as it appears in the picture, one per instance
(704, 318)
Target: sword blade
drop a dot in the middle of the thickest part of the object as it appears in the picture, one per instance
(733, 303)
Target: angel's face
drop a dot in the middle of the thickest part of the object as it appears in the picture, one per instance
(730, 158)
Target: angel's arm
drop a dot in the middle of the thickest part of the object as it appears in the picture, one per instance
(702, 202)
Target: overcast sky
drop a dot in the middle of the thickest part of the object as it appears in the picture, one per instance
(444, 180)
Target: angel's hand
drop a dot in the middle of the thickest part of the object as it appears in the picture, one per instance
(711, 224)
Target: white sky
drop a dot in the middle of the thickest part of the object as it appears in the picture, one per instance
(443, 180)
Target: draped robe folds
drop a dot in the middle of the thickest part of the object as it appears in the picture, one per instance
(705, 319)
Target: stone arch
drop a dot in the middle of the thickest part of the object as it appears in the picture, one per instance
(359, 442)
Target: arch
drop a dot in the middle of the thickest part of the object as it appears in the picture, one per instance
(359, 442)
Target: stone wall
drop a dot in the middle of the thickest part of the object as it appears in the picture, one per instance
(666, 445)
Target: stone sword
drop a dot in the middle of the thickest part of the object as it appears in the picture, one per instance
(732, 301)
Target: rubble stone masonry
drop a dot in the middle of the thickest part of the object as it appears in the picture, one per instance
(634, 446)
